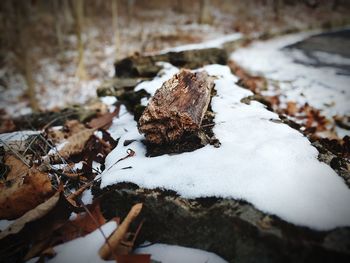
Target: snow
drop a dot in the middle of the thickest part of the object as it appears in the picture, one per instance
(175, 254)
(324, 88)
(57, 148)
(165, 73)
(213, 43)
(78, 166)
(98, 134)
(87, 197)
(109, 100)
(5, 224)
(84, 249)
(268, 164)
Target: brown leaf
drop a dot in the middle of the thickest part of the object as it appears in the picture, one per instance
(31, 215)
(104, 121)
(71, 127)
(75, 144)
(292, 108)
(134, 258)
(83, 224)
(117, 236)
(17, 167)
(7, 125)
(35, 229)
(23, 193)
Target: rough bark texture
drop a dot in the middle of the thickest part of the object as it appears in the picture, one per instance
(235, 230)
(178, 107)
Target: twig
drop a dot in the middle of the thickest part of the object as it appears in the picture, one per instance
(130, 153)
(16, 153)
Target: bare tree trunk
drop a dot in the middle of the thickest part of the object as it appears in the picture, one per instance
(179, 6)
(130, 9)
(204, 12)
(25, 65)
(276, 9)
(28, 73)
(67, 14)
(116, 28)
(79, 23)
(56, 10)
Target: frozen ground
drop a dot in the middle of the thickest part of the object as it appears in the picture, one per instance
(315, 77)
(266, 163)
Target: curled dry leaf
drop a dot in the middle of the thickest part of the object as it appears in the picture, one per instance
(32, 215)
(103, 121)
(75, 144)
(23, 193)
(109, 248)
(71, 127)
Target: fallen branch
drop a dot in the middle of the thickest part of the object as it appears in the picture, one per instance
(178, 107)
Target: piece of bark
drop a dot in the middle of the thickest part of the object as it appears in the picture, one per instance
(177, 107)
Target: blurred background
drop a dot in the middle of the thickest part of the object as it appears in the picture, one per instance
(57, 52)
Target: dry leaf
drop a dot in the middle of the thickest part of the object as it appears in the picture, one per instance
(35, 229)
(24, 193)
(17, 167)
(104, 121)
(7, 125)
(83, 224)
(32, 215)
(117, 236)
(76, 143)
(71, 127)
(292, 108)
(134, 258)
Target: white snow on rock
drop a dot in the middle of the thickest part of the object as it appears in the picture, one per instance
(213, 43)
(84, 249)
(175, 254)
(164, 74)
(323, 87)
(268, 164)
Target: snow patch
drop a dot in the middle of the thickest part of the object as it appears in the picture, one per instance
(164, 74)
(268, 164)
(214, 43)
(175, 254)
(108, 100)
(87, 197)
(324, 88)
(84, 249)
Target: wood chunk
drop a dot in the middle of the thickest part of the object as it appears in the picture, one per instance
(178, 107)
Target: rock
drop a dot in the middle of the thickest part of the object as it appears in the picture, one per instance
(234, 230)
(116, 86)
(146, 66)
